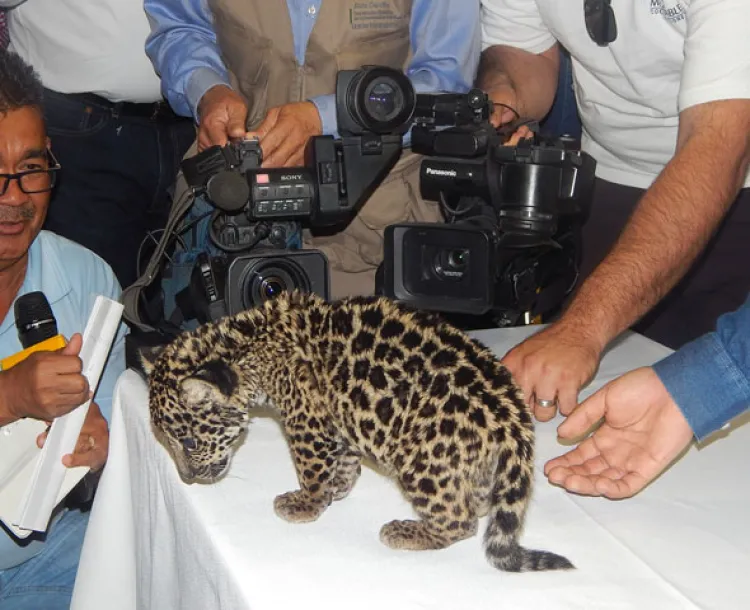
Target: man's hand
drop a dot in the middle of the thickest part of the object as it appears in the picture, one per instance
(284, 133)
(93, 442)
(642, 433)
(222, 115)
(552, 366)
(46, 385)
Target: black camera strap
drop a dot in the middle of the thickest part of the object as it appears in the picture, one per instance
(132, 295)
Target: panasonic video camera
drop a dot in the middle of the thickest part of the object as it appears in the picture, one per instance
(510, 246)
(259, 213)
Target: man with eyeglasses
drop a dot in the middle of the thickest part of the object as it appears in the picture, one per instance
(663, 89)
(39, 572)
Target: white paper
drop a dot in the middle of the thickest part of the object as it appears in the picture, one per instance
(50, 475)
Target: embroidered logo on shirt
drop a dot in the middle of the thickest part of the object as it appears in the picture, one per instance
(374, 15)
(672, 10)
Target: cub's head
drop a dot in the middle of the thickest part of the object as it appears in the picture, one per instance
(198, 413)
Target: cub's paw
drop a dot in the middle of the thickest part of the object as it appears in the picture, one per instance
(411, 536)
(298, 506)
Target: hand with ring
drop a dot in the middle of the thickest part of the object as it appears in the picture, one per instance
(546, 404)
(552, 366)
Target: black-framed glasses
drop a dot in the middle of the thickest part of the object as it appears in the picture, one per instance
(600, 21)
(33, 181)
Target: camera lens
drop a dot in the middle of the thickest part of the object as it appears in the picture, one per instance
(269, 277)
(383, 101)
(271, 287)
(458, 259)
(452, 264)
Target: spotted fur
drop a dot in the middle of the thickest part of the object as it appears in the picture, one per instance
(362, 377)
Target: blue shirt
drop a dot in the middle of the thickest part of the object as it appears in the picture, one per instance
(445, 43)
(71, 277)
(709, 378)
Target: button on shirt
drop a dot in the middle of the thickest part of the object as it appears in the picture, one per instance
(71, 277)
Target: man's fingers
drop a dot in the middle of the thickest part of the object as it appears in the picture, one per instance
(624, 487)
(583, 417)
(214, 133)
(580, 484)
(567, 398)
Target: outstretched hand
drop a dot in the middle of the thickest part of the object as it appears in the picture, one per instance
(551, 367)
(642, 433)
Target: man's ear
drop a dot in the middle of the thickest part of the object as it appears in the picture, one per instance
(147, 356)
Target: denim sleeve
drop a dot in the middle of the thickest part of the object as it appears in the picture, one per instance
(709, 378)
(183, 48)
(445, 44)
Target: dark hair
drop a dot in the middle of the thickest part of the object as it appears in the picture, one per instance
(19, 84)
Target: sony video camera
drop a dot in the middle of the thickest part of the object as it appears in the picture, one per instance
(260, 212)
(510, 246)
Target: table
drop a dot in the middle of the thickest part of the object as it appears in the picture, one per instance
(155, 543)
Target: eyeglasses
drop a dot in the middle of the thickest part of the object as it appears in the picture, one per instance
(33, 180)
(600, 21)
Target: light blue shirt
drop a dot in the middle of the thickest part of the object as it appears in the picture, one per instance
(709, 378)
(71, 277)
(445, 43)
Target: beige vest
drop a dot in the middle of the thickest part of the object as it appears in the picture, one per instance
(255, 37)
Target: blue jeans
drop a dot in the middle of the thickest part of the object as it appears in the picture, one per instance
(563, 116)
(45, 582)
(117, 172)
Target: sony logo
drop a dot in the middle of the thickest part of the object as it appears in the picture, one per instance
(449, 173)
(290, 177)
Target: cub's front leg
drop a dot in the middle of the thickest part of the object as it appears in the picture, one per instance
(315, 457)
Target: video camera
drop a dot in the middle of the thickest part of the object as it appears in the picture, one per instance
(260, 212)
(511, 244)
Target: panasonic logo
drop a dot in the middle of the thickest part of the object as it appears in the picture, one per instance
(448, 173)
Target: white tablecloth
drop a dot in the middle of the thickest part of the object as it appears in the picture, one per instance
(155, 543)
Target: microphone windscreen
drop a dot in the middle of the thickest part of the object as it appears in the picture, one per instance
(34, 319)
(228, 191)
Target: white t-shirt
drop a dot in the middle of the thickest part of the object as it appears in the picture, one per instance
(80, 46)
(669, 55)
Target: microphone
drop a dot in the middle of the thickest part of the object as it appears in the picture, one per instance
(37, 328)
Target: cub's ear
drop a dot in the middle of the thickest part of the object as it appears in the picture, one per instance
(215, 382)
(147, 356)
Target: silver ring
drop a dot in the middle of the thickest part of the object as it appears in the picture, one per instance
(546, 403)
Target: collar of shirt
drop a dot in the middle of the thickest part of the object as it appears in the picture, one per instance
(43, 272)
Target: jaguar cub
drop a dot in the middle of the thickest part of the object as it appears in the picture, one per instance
(361, 377)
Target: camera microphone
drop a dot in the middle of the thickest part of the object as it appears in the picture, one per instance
(37, 328)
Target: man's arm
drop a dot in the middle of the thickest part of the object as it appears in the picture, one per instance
(445, 41)
(525, 81)
(671, 225)
(520, 61)
(183, 48)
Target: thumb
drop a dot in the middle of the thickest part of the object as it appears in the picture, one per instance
(583, 417)
(73, 346)
(236, 122)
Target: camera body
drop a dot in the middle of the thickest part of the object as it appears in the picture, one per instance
(511, 243)
(259, 213)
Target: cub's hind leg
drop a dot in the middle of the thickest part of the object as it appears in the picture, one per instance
(446, 508)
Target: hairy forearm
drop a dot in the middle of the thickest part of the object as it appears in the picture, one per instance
(533, 77)
(671, 225)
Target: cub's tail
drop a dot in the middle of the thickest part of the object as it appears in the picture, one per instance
(510, 496)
